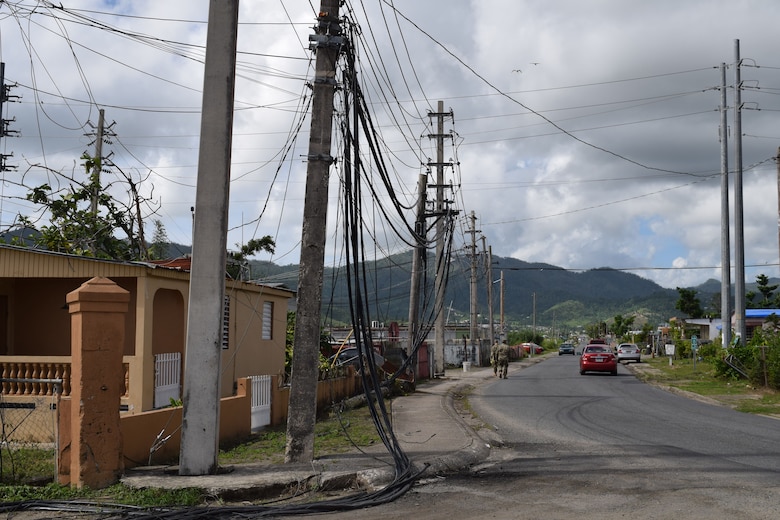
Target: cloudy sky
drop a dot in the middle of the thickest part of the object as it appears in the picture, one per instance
(586, 133)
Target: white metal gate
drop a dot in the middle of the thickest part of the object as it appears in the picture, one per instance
(261, 401)
(167, 378)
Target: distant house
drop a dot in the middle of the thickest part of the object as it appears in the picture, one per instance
(35, 336)
(709, 328)
(755, 318)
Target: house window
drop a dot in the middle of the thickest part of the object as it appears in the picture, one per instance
(268, 317)
(226, 323)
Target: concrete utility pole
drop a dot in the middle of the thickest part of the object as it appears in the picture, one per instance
(473, 329)
(441, 215)
(200, 420)
(327, 43)
(725, 221)
(777, 162)
(739, 225)
(417, 261)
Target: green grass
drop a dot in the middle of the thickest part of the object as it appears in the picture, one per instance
(336, 434)
(767, 404)
(738, 394)
(116, 494)
(26, 465)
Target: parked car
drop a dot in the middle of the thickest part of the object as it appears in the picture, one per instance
(537, 349)
(566, 348)
(629, 352)
(598, 358)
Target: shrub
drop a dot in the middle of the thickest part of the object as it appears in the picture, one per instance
(710, 351)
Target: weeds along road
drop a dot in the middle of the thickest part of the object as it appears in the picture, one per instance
(567, 446)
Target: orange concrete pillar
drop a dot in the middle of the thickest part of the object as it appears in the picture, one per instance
(97, 311)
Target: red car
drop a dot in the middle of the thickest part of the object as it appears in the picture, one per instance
(527, 348)
(598, 358)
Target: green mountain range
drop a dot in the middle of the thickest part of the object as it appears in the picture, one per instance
(560, 297)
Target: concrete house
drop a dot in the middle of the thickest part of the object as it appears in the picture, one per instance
(35, 335)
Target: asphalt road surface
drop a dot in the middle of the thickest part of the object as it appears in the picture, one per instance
(567, 446)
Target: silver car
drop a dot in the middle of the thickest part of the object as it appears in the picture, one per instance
(629, 352)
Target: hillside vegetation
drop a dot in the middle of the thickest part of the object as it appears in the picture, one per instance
(563, 298)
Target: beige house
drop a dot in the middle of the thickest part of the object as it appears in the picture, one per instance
(35, 335)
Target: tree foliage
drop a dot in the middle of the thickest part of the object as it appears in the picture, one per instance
(84, 217)
(160, 242)
(622, 325)
(524, 336)
(237, 264)
(768, 299)
(688, 303)
(596, 330)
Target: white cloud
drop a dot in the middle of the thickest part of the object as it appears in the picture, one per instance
(632, 182)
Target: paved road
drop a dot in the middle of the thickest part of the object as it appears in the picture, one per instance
(606, 447)
(551, 402)
(571, 447)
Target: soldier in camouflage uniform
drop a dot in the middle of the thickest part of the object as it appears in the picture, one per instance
(502, 359)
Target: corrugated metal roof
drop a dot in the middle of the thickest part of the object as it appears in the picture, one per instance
(21, 262)
(761, 313)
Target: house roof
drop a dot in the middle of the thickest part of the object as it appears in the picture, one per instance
(761, 313)
(16, 263)
(183, 263)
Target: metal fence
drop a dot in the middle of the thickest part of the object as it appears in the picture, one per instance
(261, 401)
(28, 430)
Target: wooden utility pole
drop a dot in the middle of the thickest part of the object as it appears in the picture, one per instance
(473, 330)
(98, 163)
(489, 259)
(200, 419)
(417, 261)
(326, 43)
(501, 309)
(533, 327)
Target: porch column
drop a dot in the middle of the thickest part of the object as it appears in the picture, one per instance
(97, 311)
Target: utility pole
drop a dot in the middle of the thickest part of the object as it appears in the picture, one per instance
(417, 261)
(473, 330)
(501, 309)
(200, 417)
(533, 326)
(326, 43)
(777, 163)
(725, 221)
(441, 214)
(98, 163)
(489, 257)
(4, 122)
(739, 226)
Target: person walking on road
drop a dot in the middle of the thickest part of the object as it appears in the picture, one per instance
(494, 358)
(502, 358)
